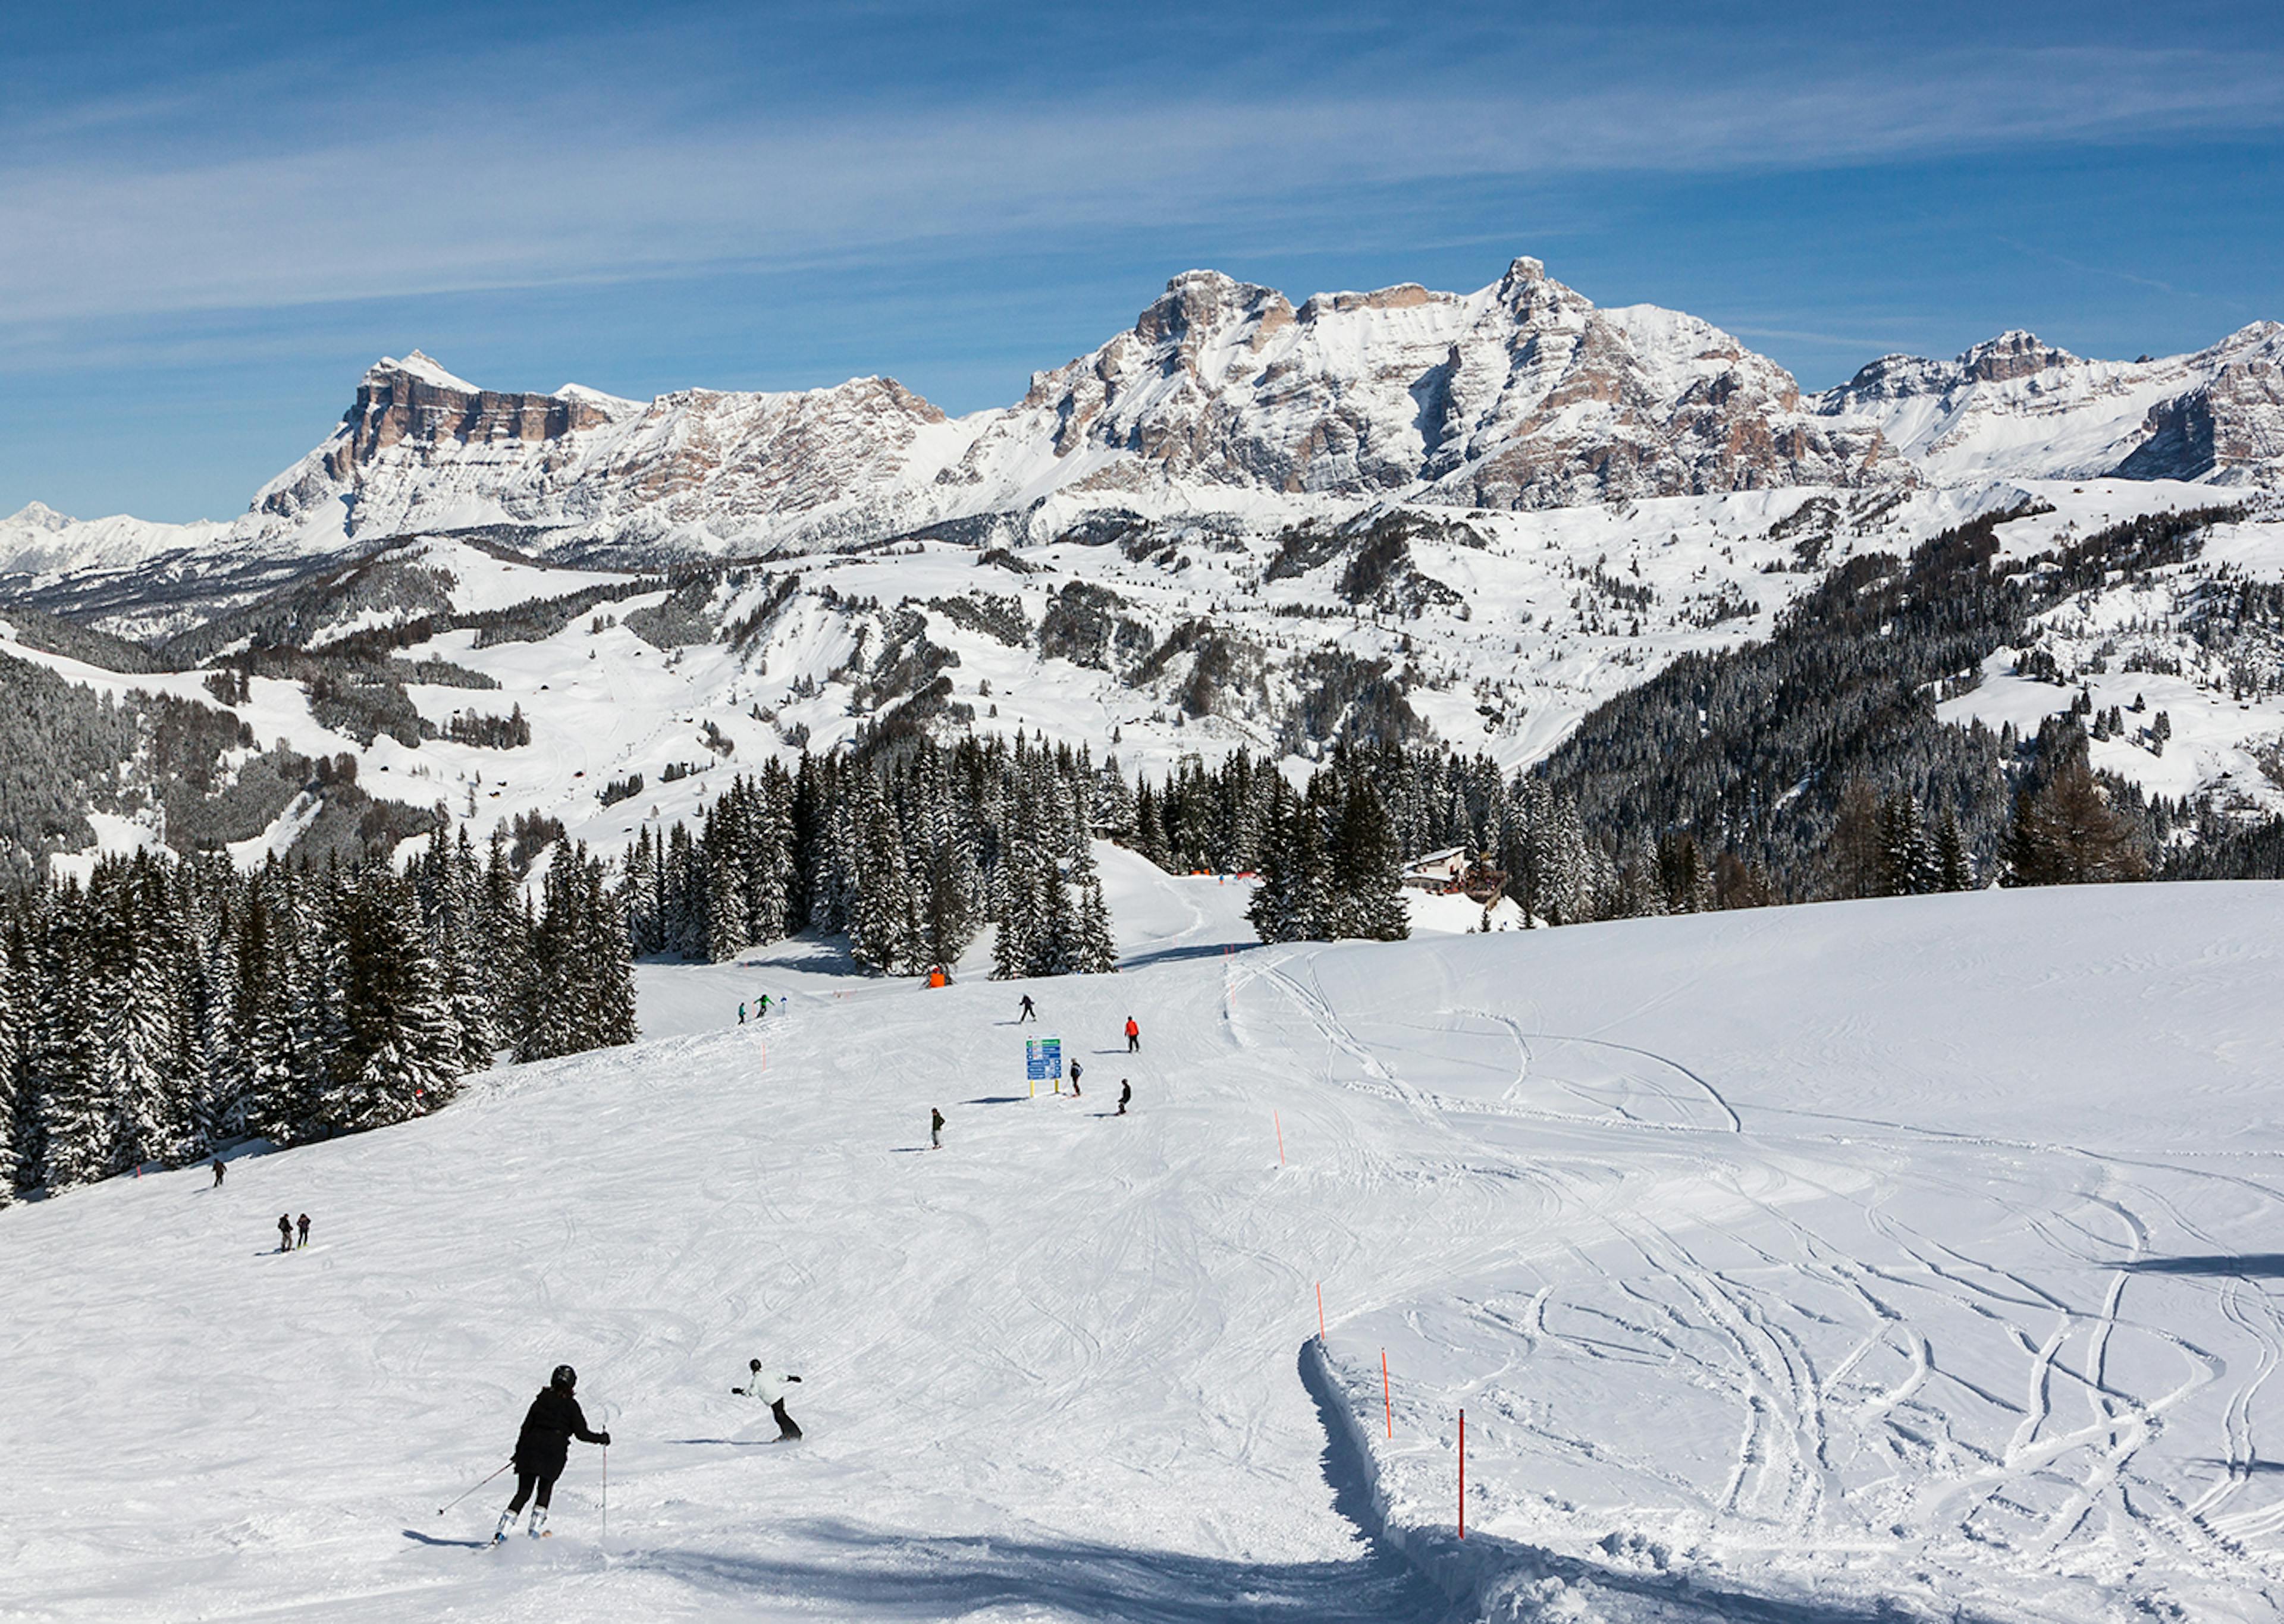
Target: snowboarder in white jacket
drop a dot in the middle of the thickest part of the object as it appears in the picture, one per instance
(772, 1390)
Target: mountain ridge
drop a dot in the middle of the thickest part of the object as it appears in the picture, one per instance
(1223, 395)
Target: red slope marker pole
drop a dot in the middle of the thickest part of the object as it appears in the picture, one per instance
(1386, 1403)
(1320, 1314)
(1280, 1136)
(1463, 1475)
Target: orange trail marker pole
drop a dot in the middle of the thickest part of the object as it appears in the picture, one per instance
(1463, 1475)
(1320, 1313)
(1386, 1403)
(1280, 1136)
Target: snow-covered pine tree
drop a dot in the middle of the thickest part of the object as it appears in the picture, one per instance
(1113, 800)
(879, 928)
(503, 923)
(1950, 855)
(774, 871)
(457, 943)
(1909, 865)
(1016, 912)
(1151, 828)
(1096, 948)
(137, 1039)
(1055, 949)
(645, 915)
(398, 1057)
(953, 903)
(77, 1127)
(10, 1066)
(1313, 913)
(1368, 868)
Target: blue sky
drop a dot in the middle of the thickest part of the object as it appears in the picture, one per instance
(212, 219)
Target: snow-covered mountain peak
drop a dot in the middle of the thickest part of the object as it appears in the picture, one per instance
(2013, 353)
(36, 516)
(417, 365)
(2014, 406)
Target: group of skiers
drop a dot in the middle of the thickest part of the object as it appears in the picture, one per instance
(543, 1446)
(292, 1237)
(761, 1010)
(1027, 1011)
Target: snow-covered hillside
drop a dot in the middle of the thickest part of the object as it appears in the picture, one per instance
(1497, 633)
(1901, 1259)
(2181, 643)
(2015, 408)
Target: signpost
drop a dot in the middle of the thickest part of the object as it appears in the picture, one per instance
(1043, 1060)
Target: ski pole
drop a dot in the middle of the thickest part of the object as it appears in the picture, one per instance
(607, 1491)
(455, 1499)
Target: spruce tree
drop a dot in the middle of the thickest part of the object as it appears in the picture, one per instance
(1097, 952)
(398, 1057)
(11, 1069)
(1369, 876)
(1951, 859)
(77, 1129)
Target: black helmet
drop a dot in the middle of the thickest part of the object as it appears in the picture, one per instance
(565, 1378)
(753, 1365)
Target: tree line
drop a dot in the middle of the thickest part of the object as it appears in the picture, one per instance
(908, 850)
(162, 1009)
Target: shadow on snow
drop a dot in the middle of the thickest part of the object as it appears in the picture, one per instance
(2248, 1265)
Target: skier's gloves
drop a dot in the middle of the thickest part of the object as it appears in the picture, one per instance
(793, 1378)
(740, 1391)
(604, 1439)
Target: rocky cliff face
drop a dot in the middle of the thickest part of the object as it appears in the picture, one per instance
(1520, 395)
(2015, 408)
(420, 449)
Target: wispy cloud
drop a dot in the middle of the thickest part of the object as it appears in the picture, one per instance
(452, 199)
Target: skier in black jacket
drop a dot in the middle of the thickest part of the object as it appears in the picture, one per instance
(553, 1420)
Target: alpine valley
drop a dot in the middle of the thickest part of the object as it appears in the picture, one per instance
(1509, 523)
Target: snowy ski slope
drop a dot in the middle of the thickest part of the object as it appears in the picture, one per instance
(1906, 1260)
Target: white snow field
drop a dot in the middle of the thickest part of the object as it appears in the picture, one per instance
(1907, 1260)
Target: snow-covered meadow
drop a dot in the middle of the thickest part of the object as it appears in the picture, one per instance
(1870, 1261)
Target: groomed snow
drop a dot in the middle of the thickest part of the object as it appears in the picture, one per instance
(1903, 1259)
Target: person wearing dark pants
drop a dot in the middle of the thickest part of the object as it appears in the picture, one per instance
(935, 1128)
(303, 1229)
(543, 1447)
(1026, 1011)
(1125, 1093)
(219, 1171)
(770, 1390)
(1075, 1069)
(1133, 1036)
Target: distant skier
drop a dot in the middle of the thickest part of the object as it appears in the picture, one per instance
(219, 1171)
(285, 1231)
(741, 1014)
(1133, 1036)
(935, 1128)
(1125, 1093)
(1030, 1012)
(765, 1006)
(553, 1420)
(1075, 1069)
(771, 1391)
(303, 1227)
